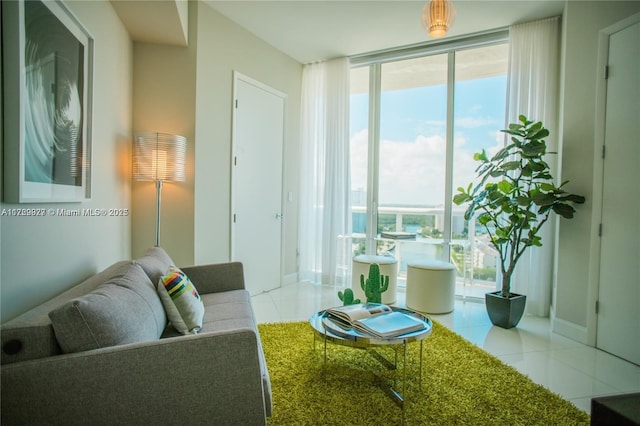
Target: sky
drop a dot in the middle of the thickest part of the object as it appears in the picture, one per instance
(413, 145)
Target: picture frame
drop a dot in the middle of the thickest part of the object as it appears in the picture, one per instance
(48, 98)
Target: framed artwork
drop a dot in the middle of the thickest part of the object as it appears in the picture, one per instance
(48, 82)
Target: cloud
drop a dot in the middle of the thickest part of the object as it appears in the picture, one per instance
(475, 122)
(413, 172)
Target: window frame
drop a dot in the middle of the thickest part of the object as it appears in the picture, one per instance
(374, 61)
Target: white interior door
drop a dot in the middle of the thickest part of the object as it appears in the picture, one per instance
(618, 330)
(258, 135)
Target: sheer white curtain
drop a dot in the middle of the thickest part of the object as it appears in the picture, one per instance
(533, 91)
(325, 208)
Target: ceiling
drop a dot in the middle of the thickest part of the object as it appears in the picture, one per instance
(157, 21)
(309, 30)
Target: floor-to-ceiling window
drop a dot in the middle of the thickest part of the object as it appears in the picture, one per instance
(417, 118)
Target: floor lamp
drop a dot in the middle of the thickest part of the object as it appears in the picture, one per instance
(159, 157)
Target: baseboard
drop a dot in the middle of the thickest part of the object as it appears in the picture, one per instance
(570, 330)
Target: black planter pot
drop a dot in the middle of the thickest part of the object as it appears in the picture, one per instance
(503, 312)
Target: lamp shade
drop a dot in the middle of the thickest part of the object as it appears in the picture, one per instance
(437, 17)
(159, 157)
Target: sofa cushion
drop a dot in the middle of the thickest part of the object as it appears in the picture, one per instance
(155, 262)
(32, 332)
(125, 309)
(229, 311)
(181, 301)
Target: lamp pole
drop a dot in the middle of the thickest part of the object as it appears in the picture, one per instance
(158, 202)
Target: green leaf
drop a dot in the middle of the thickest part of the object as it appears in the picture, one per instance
(564, 210)
(534, 149)
(480, 156)
(544, 209)
(578, 199)
(531, 216)
(501, 233)
(461, 198)
(538, 166)
(544, 199)
(499, 241)
(469, 213)
(540, 134)
(511, 165)
(532, 130)
(547, 187)
(484, 218)
(493, 195)
(503, 153)
(505, 186)
(507, 207)
(535, 241)
(517, 143)
(515, 127)
(542, 176)
(483, 168)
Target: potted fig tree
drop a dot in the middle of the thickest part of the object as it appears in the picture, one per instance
(514, 195)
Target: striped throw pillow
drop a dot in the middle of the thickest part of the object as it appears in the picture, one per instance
(181, 301)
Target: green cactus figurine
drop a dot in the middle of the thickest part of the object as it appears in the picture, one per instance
(347, 297)
(375, 285)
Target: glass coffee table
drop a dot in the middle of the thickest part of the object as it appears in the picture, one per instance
(330, 332)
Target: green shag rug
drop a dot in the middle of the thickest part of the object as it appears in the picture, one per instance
(461, 385)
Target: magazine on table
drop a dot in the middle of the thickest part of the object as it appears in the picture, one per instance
(375, 319)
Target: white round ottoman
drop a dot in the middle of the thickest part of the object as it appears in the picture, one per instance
(388, 266)
(431, 286)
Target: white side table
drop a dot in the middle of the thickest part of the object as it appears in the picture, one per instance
(431, 286)
(388, 266)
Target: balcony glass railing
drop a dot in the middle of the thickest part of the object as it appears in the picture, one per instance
(470, 252)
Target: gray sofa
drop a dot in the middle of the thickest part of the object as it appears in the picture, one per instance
(130, 366)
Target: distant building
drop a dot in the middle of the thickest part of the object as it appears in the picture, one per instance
(484, 255)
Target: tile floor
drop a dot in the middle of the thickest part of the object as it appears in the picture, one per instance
(574, 371)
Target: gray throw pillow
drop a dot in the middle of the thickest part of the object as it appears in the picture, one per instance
(125, 309)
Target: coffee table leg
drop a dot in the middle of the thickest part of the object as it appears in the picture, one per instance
(395, 352)
(420, 377)
(398, 397)
(404, 370)
(324, 364)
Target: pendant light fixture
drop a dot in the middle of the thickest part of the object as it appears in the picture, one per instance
(437, 17)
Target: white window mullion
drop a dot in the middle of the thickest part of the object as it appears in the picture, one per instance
(448, 192)
(374, 157)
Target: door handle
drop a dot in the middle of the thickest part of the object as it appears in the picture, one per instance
(279, 216)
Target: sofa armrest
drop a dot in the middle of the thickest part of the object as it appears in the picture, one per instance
(216, 278)
(211, 378)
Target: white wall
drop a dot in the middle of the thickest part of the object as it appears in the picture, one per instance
(574, 299)
(41, 257)
(223, 47)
